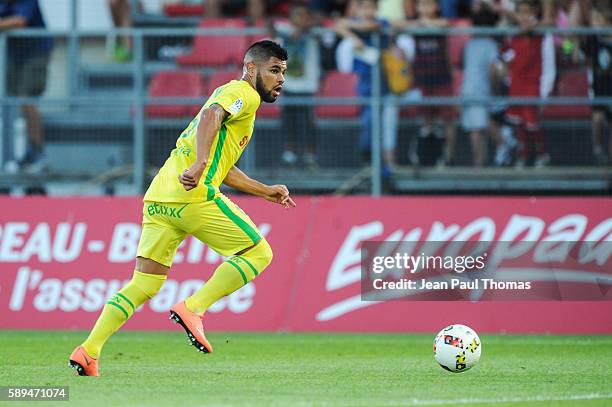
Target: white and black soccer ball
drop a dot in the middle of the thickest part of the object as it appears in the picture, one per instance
(457, 348)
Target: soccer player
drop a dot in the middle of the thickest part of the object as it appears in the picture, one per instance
(184, 198)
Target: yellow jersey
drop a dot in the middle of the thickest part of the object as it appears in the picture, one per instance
(241, 101)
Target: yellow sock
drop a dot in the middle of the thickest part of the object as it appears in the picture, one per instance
(234, 273)
(120, 308)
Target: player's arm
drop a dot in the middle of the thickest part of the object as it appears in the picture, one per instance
(238, 180)
(22, 13)
(210, 123)
(11, 22)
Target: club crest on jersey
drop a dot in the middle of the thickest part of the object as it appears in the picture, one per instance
(236, 106)
(244, 141)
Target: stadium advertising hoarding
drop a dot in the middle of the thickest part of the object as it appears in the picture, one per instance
(60, 259)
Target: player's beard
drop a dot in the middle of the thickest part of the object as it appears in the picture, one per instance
(266, 95)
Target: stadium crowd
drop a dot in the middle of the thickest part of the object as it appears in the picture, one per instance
(413, 67)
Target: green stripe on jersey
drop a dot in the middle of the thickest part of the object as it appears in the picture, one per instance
(215, 163)
(246, 228)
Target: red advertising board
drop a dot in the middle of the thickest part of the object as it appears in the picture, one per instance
(60, 258)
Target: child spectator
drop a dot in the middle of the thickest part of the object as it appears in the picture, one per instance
(532, 73)
(322, 9)
(358, 33)
(599, 51)
(301, 79)
(447, 8)
(479, 56)
(432, 75)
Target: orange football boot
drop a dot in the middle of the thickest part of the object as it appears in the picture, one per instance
(192, 323)
(84, 364)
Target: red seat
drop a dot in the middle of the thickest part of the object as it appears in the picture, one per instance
(221, 77)
(337, 84)
(183, 10)
(258, 37)
(572, 83)
(176, 84)
(216, 50)
(269, 110)
(456, 42)
(409, 111)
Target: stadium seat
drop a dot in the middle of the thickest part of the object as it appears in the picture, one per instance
(183, 10)
(337, 84)
(216, 50)
(176, 84)
(571, 83)
(258, 37)
(220, 77)
(456, 42)
(269, 110)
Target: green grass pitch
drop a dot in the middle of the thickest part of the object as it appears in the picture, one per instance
(291, 369)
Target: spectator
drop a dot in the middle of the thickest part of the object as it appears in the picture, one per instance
(532, 73)
(27, 72)
(322, 9)
(599, 52)
(447, 8)
(255, 9)
(432, 74)
(479, 56)
(301, 79)
(122, 17)
(392, 10)
(358, 48)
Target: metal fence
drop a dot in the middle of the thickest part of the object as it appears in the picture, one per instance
(103, 126)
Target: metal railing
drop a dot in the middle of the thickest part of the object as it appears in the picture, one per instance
(137, 100)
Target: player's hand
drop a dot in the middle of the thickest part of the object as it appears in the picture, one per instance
(191, 177)
(279, 194)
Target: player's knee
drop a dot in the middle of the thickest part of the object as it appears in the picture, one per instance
(149, 284)
(265, 252)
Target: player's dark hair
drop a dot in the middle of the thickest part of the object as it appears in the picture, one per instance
(266, 49)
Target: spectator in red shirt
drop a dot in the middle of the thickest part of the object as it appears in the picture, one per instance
(531, 60)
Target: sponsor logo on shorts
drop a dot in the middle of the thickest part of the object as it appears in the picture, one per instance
(161, 209)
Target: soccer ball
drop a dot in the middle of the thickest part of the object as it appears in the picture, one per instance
(457, 348)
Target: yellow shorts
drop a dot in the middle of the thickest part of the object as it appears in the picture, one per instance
(219, 223)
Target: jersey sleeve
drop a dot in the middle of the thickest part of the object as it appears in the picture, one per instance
(232, 99)
(25, 9)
